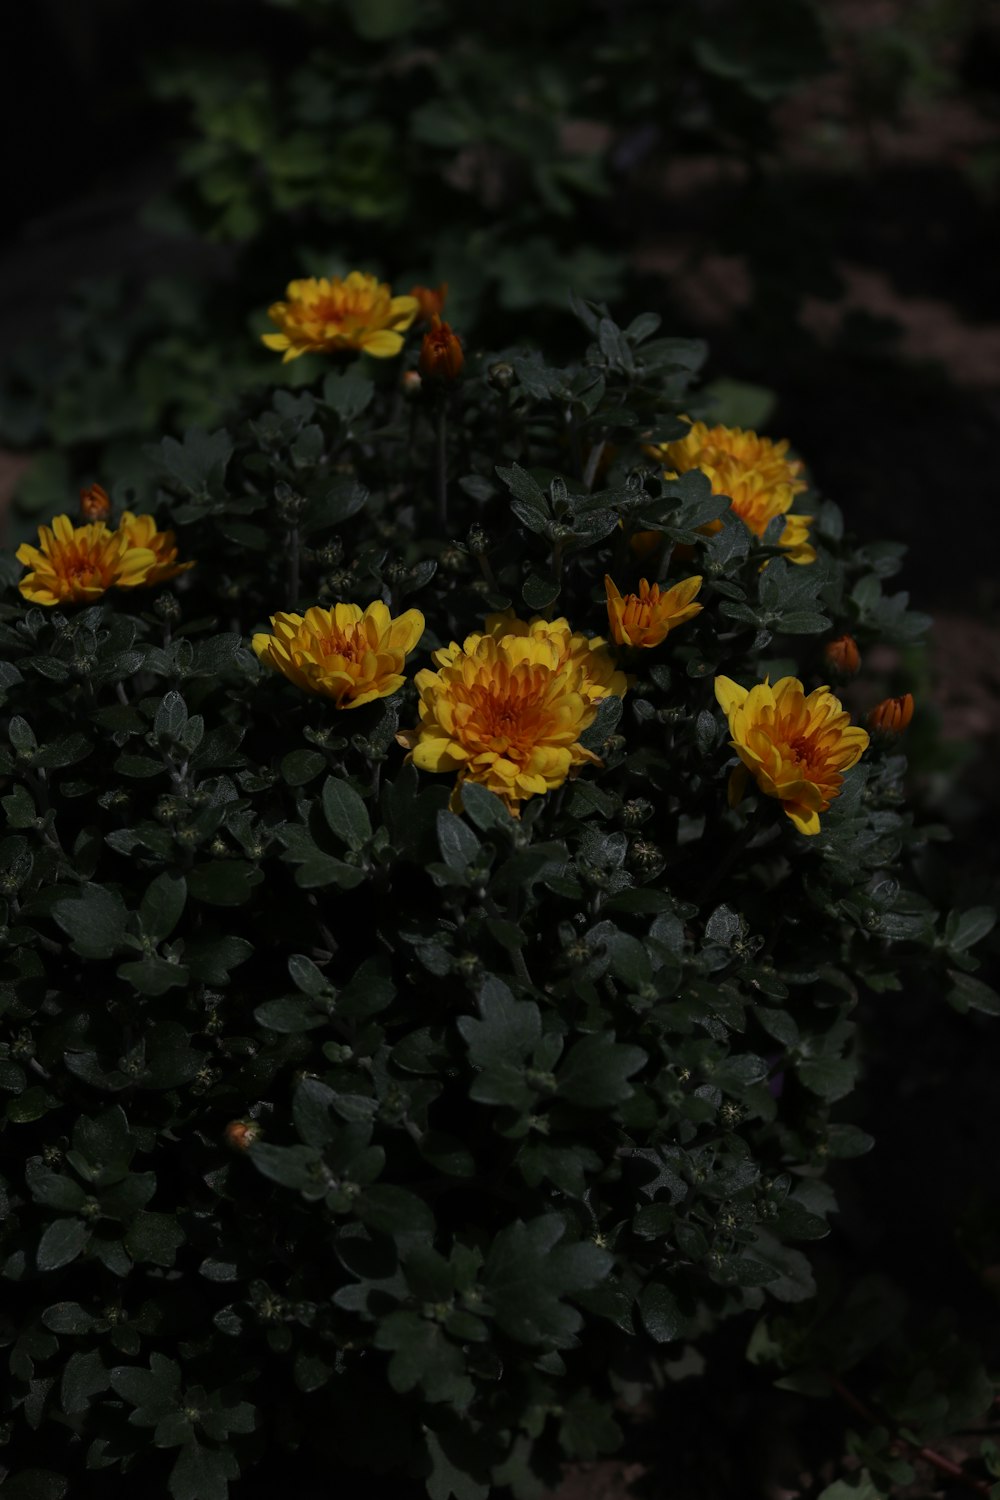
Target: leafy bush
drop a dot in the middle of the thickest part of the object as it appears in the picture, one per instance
(391, 1125)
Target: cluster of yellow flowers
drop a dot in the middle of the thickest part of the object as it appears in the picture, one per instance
(77, 564)
(508, 707)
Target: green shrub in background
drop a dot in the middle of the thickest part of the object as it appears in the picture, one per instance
(360, 1122)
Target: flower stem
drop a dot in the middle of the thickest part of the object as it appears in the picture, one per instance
(929, 1455)
(292, 584)
(593, 463)
(441, 463)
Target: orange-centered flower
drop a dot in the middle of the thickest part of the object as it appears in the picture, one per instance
(756, 475)
(430, 300)
(796, 747)
(77, 564)
(324, 314)
(95, 503)
(441, 356)
(344, 653)
(140, 532)
(892, 715)
(647, 618)
(600, 677)
(507, 714)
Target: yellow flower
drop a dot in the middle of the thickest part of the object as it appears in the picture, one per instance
(600, 678)
(796, 747)
(342, 653)
(77, 564)
(140, 533)
(506, 713)
(647, 618)
(756, 474)
(325, 314)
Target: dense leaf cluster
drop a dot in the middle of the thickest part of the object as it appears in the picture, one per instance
(342, 1122)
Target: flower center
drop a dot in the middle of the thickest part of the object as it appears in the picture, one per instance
(338, 644)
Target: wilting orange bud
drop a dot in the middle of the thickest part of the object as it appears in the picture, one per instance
(241, 1134)
(441, 356)
(842, 655)
(892, 715)
(95, 503)
(430, 301)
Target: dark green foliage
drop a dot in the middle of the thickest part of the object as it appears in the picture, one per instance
(340, 1121)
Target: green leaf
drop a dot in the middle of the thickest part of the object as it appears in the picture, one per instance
(539, 593)
(661, 1315)
(459, 845)
(162, 905)
(36, 1484)
(346, 813)
(300, 766)
(485, 808)
(968, 993)
(153, 976)
(596, 1070)
(61, 1243)
(84, 1376)
(95, 921)
(348, 391)
(154, 1238)
(528, 1273)
(392, 1210)
(210, 960)
(224, 882)
(967, 928)
(865, 1489)
(198, 463)
(202, 1473)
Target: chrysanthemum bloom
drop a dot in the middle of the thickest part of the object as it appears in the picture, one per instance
(95, 503)
(756, 474)
(647, 618)
(796, 747)
(506, 714)
(842, 655)
(600, 677)
(892, 715)
(140, 532)
(441, 356)
(77, 564)
(430, 300)
(325, 314)
(344, 653)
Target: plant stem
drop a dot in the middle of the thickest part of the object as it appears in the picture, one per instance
(593, 462)
(929, 1455)
(441, 463)
(293, 567)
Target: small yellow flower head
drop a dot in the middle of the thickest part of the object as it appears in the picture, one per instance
(77, 564)
(796, 747)
(892, 715)
(507, 714)
(140, 533)
(344, 653)
(325, 314)
(647, 618)
(756, 474)
(599, 675)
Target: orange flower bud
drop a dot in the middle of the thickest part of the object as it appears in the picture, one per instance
(842, 655)
(241, 1134)
(441, 356)
(431, 302)
(892, 715)
(411, 384)
(95, 504)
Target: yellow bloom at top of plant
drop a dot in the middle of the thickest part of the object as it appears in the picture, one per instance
(600, 677)
(77, 564)
(140, 533)
(506, 713)
(324, 314)
(647, 618)
(345, 653)
(795, 746)
(756, 474)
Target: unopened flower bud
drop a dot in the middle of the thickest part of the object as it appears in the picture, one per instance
(478, 540)
(842, 655)
(892, 715)
(431, 301)
(501, 376)
(95, 503)
(241, 1134)
(441, 356)
(411, 384)
(167, 608)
